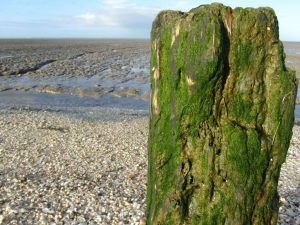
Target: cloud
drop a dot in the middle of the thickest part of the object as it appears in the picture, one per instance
(118, 13)
(88, 17)
(96, 19)
(124, 15)
(115, 3)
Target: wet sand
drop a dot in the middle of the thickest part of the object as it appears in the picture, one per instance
(85, 72)
(292, 51)
(84, 68)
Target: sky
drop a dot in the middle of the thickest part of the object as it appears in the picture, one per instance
(116, 18)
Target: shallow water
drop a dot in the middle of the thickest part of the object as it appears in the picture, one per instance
(5, 56)
(42, 100)
(292, 50)
(85, 73)
(81, 68)
(297, 113)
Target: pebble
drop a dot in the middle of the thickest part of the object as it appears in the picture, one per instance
(289, 183)
(79, 176)
(90, 173)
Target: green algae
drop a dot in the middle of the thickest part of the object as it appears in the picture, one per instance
(221, 116)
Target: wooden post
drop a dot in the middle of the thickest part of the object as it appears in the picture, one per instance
(221, 117)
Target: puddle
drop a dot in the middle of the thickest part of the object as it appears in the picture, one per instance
(95, 86)
(46, 64)
(297, 113)
(23, 99)
(137, 85)
(289, 62)
(292, 51)
(5, 56)
(25, 80)
(297, 108)
(139, 70)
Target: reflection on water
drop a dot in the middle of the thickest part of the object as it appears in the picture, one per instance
(297, 113)
(75, 81)
(33, 99)
(97, 85)
(15, 81)
(297, 108)
(3, 56)
(139, 70)
(292, 51)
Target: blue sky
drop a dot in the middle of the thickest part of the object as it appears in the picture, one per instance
(115, 18)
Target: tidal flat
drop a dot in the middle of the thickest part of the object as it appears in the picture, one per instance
(85, 72)
(81, 68)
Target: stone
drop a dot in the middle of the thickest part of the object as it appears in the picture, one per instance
(221, 116)
(142, 222)
(48, 210)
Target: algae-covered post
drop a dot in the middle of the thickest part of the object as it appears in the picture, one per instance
(221, 117)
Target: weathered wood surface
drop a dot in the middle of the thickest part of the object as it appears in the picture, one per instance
(221, 117)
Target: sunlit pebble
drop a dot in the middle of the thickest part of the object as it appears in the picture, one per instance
(59, 178)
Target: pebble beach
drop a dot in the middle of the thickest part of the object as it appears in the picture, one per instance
(90, 167)
(57, 168)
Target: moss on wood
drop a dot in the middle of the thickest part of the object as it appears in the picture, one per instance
(221, 116)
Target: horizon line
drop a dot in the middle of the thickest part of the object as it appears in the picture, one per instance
(91, 38)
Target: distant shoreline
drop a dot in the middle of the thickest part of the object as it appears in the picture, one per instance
(96, 39)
